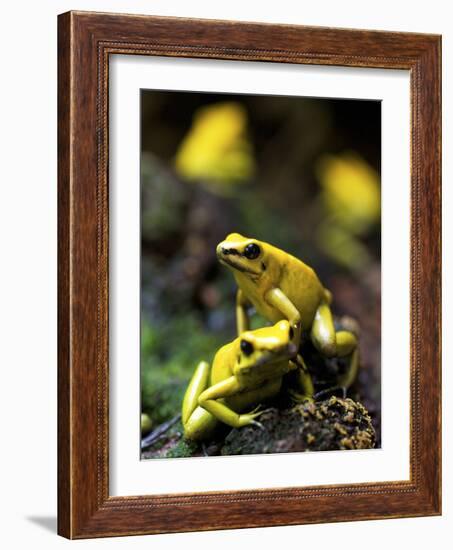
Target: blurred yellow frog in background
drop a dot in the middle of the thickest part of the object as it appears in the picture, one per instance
(217, 151)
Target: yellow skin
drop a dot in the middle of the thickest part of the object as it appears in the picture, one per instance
(244, 373)
(280, 286)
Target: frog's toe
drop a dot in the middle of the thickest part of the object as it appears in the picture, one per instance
(258, 425)
(249, 418)
(321, 394)
(298, 397)
(259, 412)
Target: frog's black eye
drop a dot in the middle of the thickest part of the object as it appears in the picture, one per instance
(291, 333)
(246, 347)
(252, 251)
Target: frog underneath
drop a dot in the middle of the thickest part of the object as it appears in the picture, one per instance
(244, 373)
(280, 286)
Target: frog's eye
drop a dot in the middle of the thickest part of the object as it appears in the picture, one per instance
(252, 251)
(291, 333)
(246, 347)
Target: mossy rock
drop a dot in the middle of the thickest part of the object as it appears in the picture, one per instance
(330, 425)
(334, 424)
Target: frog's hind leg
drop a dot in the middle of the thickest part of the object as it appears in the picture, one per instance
(346, 380)
(351, 374)
(335, 344)
(198, 423)
(198, 383)
(326, 340)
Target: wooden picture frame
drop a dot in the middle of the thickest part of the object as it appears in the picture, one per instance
(85, 42)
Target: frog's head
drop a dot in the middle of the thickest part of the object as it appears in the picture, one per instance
(248, 256)
(265, 345)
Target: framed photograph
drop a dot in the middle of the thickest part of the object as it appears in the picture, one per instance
(249, 275)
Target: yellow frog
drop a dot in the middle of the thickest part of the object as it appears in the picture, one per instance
(244, 373)
(280, 286)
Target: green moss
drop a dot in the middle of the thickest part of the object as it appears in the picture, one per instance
(174, 348)
(182, 449)
(161, 399)
(169, 355)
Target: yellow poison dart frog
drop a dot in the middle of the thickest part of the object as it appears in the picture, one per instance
(244, 373)
(280, 286)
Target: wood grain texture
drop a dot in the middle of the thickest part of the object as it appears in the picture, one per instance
(64, 389)
(85, 42)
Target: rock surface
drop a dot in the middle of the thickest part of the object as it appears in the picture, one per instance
(334, 424)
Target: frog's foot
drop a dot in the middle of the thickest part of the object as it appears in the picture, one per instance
(258, 425)
(249, 418)
(332, 389)
(345, 381)
(297, 397)
(257, 409)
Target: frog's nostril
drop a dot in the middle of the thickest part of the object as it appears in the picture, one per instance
(228, 251)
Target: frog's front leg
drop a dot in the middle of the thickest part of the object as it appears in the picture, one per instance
(197, 422)
(278, 299)
(242, 318)
(348, 378)
(302, 388)
(209, 401)
(305, 385)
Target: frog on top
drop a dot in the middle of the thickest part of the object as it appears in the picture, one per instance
(280, 286)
